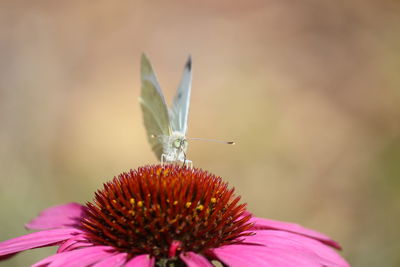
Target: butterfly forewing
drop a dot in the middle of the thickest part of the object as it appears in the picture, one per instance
(155, 111)
(180, 107)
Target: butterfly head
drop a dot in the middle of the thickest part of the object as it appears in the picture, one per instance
(179, 143)
(174, 148)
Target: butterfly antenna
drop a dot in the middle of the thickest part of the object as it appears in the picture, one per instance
(212, 140)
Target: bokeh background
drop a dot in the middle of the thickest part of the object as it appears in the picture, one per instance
(309, 90)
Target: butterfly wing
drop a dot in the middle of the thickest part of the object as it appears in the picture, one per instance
(180, 107)
(155, 111)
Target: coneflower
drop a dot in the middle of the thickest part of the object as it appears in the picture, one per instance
(170, 215)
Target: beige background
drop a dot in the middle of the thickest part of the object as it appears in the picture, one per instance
(309, 90)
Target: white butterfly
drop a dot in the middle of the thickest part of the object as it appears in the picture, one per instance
(166, 128)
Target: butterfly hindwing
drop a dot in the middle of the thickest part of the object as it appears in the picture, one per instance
(155, 111)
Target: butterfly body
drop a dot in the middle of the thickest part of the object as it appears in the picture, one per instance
(166, 127)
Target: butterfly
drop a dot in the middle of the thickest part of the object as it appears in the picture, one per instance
(166, 127)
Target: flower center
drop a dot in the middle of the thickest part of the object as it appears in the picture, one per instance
(164, 210)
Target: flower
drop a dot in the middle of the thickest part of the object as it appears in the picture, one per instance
(170, 215)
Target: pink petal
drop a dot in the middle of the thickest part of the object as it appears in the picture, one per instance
(290, 241)
(265, 224)
(34, 240)
(57, 216)
(141, 261)
(248, 255)
(79, 257)
(195, 260)
(74, 243)
(116, 260)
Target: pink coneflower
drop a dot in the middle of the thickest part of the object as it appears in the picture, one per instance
(170, 216)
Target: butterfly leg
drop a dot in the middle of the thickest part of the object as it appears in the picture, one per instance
(163, 159)
(188, 163)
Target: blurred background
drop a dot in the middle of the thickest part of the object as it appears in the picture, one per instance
(309, 91)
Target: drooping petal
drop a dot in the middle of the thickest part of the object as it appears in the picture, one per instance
(58, 216)
(141, 261)
(116, 260)
(195, 260)
(79, 257)
(74, 243)
(261, 223)
(295, 242)
(38, 239)
(251, 255)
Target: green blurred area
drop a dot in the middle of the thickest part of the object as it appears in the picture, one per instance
(309, 91)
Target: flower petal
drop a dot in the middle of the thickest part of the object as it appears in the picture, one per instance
(57, 216)
(79, 257)
(74, 243)
(251, 255)
(38, 239)
(116, 260)
(295, 242)
(141, 261)
(265, 224)
(195, 260)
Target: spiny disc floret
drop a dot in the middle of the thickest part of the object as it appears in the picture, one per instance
(147, 210)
